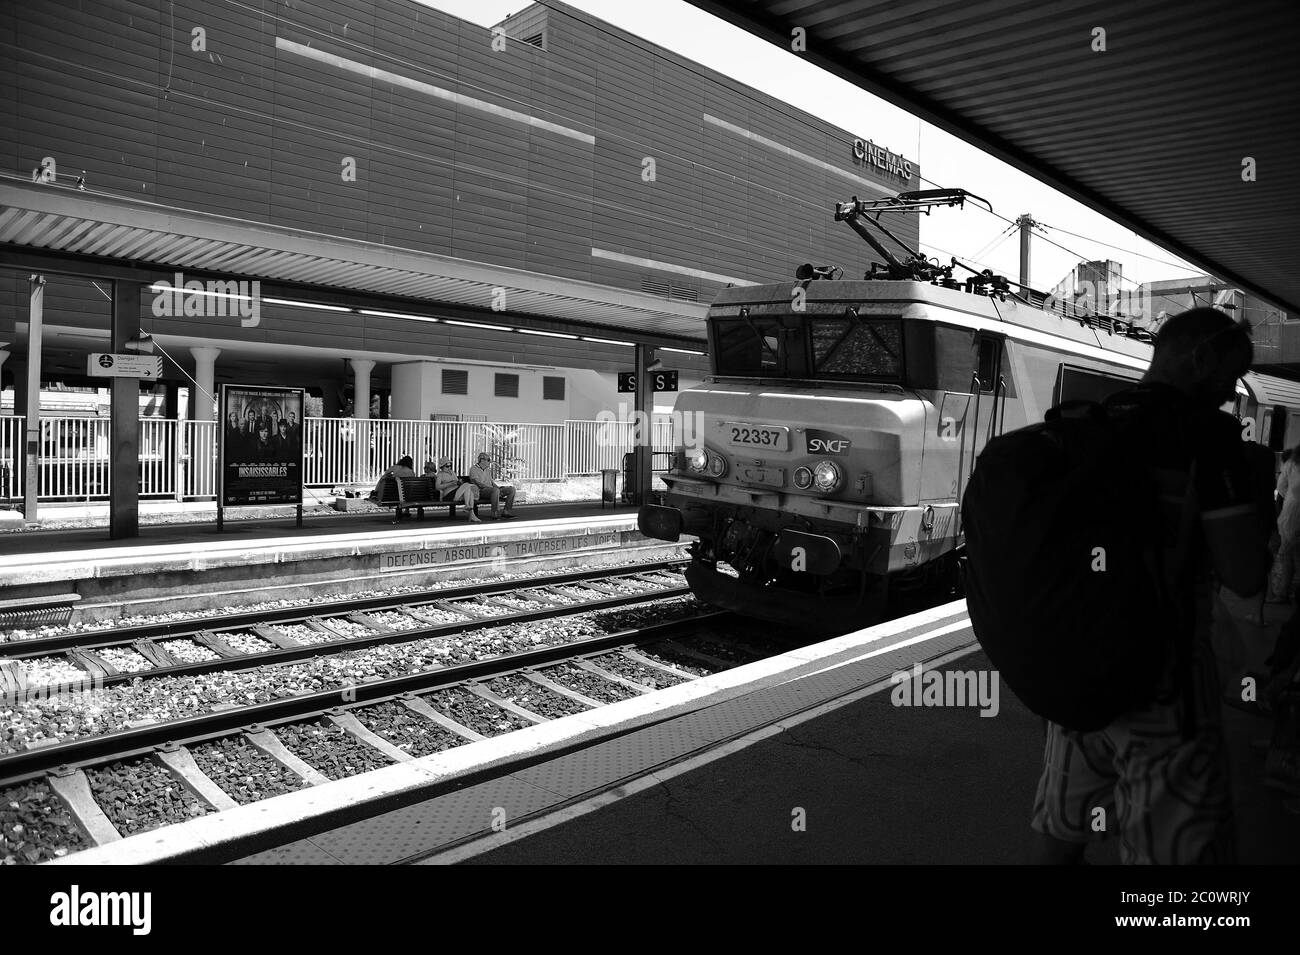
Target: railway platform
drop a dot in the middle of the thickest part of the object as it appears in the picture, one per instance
(174, 566)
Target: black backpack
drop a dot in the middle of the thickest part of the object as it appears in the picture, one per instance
(1064, 579)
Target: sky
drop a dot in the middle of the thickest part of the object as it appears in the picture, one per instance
(944, 159)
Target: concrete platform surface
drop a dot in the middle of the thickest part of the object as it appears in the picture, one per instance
(47, 556)
(57, 540)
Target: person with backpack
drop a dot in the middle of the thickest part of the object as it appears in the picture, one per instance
(1095, 543)
(1285, 576)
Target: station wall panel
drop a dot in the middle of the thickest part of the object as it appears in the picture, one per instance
(437, 123)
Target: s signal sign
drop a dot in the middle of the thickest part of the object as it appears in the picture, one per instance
(659, 381)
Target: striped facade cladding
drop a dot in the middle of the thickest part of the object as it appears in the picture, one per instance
(529, 158)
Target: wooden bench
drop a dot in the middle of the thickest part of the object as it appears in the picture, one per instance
(404, 494)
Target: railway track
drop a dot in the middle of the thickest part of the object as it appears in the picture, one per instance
(50, 666)
(207, 763)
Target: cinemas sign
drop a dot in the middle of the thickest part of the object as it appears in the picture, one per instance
(868, 153)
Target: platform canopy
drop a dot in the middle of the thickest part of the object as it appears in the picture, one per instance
(78, 229)
(1152, 130)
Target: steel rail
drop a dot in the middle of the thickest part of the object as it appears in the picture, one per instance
(66, 757)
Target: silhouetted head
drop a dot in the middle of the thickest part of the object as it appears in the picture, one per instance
(1202, 352)
(407, 462)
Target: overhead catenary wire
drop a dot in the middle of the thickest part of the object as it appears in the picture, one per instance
(992, 245)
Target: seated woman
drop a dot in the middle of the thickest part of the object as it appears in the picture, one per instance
(450, 488)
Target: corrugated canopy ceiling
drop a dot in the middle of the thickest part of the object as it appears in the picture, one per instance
(1152, 131)
(52, 219)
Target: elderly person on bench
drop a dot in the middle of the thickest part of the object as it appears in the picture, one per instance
(450, 488)
(480, 475)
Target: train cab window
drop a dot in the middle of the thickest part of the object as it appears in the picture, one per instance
(866, 348)
(988, 363)
(751, 347)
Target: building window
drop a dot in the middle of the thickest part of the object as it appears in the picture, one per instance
(507, 386)
(455, 382)
(536, 40)
(552, 388)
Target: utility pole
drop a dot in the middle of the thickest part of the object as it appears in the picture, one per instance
(1025, 222)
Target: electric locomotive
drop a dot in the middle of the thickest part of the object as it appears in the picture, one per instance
(828, 452)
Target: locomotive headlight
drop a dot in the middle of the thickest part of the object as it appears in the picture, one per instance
(827, 476)
(697, 460)
(803, 478)
(717, 465)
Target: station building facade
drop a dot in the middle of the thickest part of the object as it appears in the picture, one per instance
(618, 184)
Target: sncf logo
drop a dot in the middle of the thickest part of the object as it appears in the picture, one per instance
(827, 442)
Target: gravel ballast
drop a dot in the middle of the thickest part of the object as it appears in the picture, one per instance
(35, 826)
(636, 671)
(140, 795)
(244, 771)
(406, 730)
(535, 698)
(330, 749)
(474, 712)
(587, 683)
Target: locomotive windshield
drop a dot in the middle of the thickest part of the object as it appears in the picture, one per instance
(839, 347)
(750, 347)
(857, 348)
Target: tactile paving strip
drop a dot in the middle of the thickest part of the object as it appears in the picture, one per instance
(421, 828)
(596, 767)
(303, 852)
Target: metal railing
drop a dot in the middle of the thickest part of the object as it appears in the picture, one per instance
(178, 458)
(593, 446)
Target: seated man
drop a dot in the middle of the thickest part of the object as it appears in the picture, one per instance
(450, 488)
(480, 475)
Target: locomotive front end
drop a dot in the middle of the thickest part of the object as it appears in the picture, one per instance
(798, 463)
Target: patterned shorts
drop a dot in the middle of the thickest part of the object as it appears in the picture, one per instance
(1166, 798)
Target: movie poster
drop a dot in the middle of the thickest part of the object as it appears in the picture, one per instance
(261, 445)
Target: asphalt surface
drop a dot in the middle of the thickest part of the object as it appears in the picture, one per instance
(877, 783)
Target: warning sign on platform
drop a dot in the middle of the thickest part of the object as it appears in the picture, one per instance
(507, 550)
